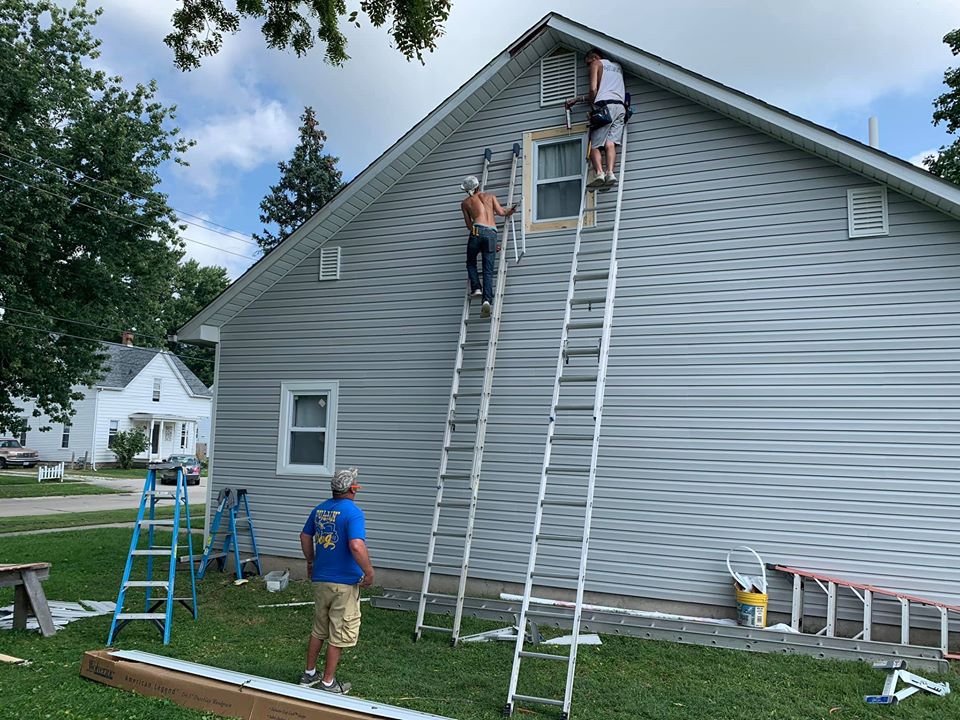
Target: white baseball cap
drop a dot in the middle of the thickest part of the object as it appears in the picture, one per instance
(470, 184)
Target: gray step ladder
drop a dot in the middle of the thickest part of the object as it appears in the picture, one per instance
(462, 422)
(590, 286)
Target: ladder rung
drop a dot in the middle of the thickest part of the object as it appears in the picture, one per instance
(160, 493)
(472, 368)
(558, 538)
(591, 275)
(241, 520)
(152, 551)
(573, 407)
(571, 437)
(459, 448)
(568, 469)
(437, 628)
(449, 533)
(564, 503)
(588, 253)
(468, 394)
(454, 503)
(582, 352)
(585, 325)
(535, 699)
(445, 565)
(590, 377)
(214, 556)
(469, 421)
(142, 616)
(543, 656)
(590, 300)
(164, 523)
(442, 596)
(455, 476)
(145, 583)
(552, 576)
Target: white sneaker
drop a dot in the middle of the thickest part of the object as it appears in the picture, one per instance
(610, 180)
(485, 310)
(474, 294)
(597, 182)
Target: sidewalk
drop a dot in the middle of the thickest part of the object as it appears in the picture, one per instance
(15, 507)
(45, 531)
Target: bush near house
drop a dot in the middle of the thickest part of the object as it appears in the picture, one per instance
(128, 444)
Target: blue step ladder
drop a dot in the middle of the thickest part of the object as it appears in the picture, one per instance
(146, 518)
(231, 500)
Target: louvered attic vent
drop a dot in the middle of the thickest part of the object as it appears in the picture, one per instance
(558, 78)
(330, 263)
(867, 211)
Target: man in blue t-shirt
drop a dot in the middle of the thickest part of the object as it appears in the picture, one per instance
(334, 543)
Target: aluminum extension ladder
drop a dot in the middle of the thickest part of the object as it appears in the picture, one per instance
(463, 423)
(146, 518)
(230, 501)
(582, 291)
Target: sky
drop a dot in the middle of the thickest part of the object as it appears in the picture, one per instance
(835, 62)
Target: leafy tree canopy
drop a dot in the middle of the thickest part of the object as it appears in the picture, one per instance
(946, 109)
(199, 25)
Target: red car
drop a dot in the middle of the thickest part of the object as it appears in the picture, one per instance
(191, 469)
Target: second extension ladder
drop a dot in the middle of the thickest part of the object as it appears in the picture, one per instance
(232, 500)
(568, 475)
(467, 414)
(147, 518)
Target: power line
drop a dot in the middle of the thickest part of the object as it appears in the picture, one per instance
(204, 224)
(119, 217)
(80, 322)
(155, 351)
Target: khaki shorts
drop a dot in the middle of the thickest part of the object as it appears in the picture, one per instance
(336, 615)
(611, 132)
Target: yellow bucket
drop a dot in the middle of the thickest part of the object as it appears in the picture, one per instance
(751, 608)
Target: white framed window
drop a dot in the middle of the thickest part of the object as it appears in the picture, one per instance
(157, 384)
(308, 427)
(557, 177)
(65, 438)
(23, 437)
(112, 433)
(183, 436)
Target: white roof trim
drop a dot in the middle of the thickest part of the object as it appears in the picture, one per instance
(868, 162)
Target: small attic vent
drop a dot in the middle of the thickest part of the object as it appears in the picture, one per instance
(558, 78)
(867, 211)
(330, 263)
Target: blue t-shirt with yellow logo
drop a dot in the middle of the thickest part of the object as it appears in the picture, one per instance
(333, 524)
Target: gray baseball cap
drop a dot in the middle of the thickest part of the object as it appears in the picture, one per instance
(344, 480)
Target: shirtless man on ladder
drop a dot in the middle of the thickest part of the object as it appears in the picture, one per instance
(479, 211)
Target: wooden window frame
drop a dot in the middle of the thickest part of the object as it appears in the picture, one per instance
(577, 131)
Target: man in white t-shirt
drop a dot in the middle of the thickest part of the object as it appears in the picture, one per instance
(606, 89)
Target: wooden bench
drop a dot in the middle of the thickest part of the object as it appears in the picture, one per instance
(28, 594)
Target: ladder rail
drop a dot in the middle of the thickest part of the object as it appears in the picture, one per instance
(551, 425)
(172, 573)
(485, 394)
(134, 539)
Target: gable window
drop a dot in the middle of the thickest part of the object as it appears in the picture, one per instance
(112, 433)
(157, 383)
(65, 438)
(308, 427)
(553, 170)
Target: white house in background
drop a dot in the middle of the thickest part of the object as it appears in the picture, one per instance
(140, 387)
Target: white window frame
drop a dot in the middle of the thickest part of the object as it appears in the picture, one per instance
(330, 388)
(537, 144)
(184, 436)
(65, 437)
(157, 388)
(112, 429)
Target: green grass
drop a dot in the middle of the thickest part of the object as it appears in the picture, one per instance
(19, 486)
(624, 679)
(96, 517)
(119, 473)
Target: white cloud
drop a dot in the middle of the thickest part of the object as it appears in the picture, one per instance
(209, 244)
(919, 157)
(238, 141)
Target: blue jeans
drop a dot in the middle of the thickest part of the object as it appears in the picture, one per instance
(482, 241)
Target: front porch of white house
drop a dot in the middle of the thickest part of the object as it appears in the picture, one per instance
(166, 435)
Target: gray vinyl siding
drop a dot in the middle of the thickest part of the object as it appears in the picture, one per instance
(772, 382)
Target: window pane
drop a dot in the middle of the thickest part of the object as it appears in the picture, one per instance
(310, 411)
(558, 200)
(560, 159)
(306, 448)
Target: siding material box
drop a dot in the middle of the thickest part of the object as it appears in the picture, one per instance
(201, 693)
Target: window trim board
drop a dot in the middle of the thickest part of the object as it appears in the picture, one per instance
(285, 425)
(535, 226)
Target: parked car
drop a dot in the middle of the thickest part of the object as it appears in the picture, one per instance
(13, 453)
(191, 468)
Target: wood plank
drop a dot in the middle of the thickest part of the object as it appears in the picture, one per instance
(39, 602)
(21, 608)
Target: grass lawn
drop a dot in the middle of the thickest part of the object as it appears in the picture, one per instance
(625, 678)
(96, 517)
(120, 473)
(17, 486)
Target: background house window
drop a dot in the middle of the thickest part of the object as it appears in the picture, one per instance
(23, 437)
(558, 178)
(65, 438)
(157, 382)
(308, 422)
(112, 435)
(183, 436)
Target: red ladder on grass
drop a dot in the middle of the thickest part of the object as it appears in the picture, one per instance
(865, 594)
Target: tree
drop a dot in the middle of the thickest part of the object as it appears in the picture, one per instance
(89, 243)
(306, 184)
(194, 286)
(199, 25)
(946, 109)
(127, 445)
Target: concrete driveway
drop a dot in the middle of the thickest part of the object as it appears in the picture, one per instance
(15, 507)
